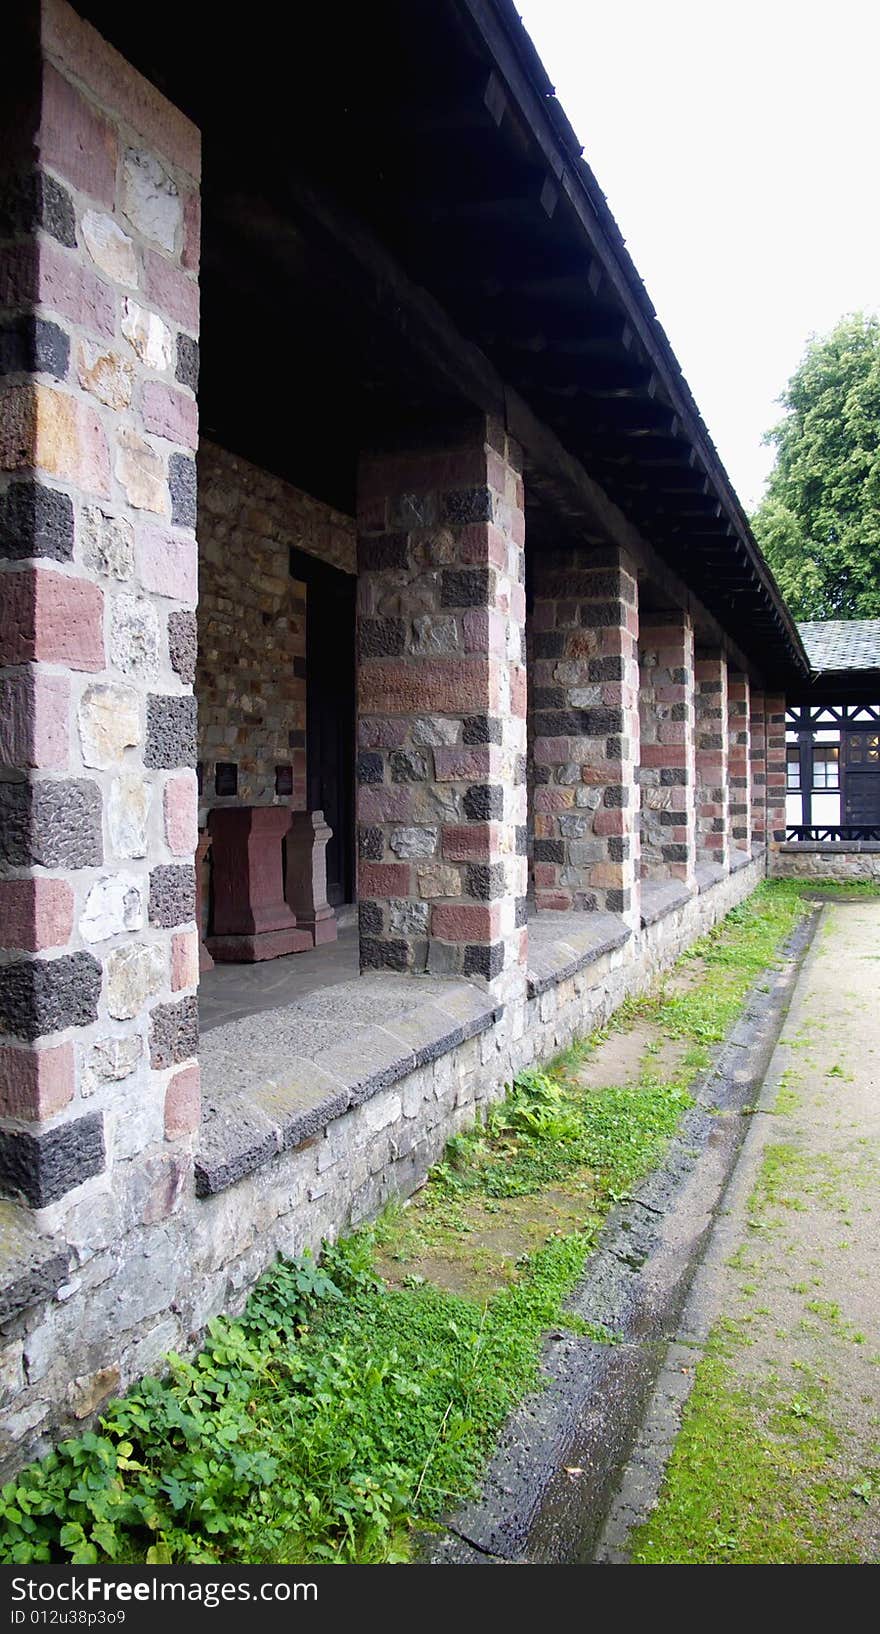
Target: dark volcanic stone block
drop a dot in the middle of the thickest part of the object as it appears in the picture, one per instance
(381, 637)
(35, 521)
(174, 1032)
(484, 801)
(34, 345)
(40, 996)
(183, 484)
(481, 729)
(44, 1167)
(381, 955)
(53, 824)
(171, 732)
(172, 894)
(370, 767)
(464, 587)
(369, 919)
(187, 370)
(183, 644)
(487, 962)
(485, 881)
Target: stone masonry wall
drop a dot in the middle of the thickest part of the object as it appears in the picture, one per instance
(667, 769)
(251, 669)
(442, 701)
(99, 1087)
(167, 1284)
(739, 766)
(828, 861)
(584, 717)
(758, 765)
(713, 813)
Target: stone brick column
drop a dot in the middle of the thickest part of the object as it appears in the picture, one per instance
(667, 765)
(713, 817)
(758, 762)
(98, 424)
(442, 702)
(774, 708)
(584, 710)
(739, 771)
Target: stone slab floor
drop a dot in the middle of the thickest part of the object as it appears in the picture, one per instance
(762, 1443)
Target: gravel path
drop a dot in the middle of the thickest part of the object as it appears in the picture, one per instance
(785, 1308)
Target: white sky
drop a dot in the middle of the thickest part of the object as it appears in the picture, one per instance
(738, 147)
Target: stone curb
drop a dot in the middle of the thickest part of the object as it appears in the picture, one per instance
(242, 1131)
(530, 1509)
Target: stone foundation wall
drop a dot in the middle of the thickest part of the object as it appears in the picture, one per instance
(828, 861)
(142, 1284)
(251, 671)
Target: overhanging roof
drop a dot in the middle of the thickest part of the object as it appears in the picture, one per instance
(420, 146)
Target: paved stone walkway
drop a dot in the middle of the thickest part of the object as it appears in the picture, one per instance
(788, 1300)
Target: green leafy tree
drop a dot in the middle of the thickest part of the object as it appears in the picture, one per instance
(819, 522)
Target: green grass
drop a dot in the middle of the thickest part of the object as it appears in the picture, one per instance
(748, 1482)
(338, 1414)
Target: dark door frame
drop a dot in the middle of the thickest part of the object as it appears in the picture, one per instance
(330, 660)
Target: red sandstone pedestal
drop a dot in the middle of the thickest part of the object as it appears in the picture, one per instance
(306, 882)
(252, 920)
(202, 849)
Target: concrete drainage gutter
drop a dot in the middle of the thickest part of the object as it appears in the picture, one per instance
(562, 1453)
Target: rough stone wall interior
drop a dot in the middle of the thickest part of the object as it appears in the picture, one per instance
(584, 711)
(251, 669)
(713, 816)
(739, 769)
(99, 1091)
(667, 769)
(442, 703)
(758, 762)
(774, 715)
(172, 1278)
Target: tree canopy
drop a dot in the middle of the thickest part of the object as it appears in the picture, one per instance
(819, 522)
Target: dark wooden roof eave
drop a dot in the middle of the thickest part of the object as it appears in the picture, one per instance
(502, 32)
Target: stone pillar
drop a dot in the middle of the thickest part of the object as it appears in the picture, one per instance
(98, 425)
(585, 724)
(442, 701)
(713, 817)
(758, 763)
(739, 771)
(667, 767)
(774, 709)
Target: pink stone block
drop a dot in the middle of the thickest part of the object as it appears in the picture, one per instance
(75, 140)
(192, 232)
(168, 565)
(171, 290)
(71, 41)
(183, 1103)
(36, 1083)
(51, 617)
(181, 814)
(184, 959)
(463, 764)
(74, 291)
(381, 732)
(462, 922)
(383, 805)
(170, 414)
(44, 273)
(34, 720)
(383, 879)
(35, 913)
